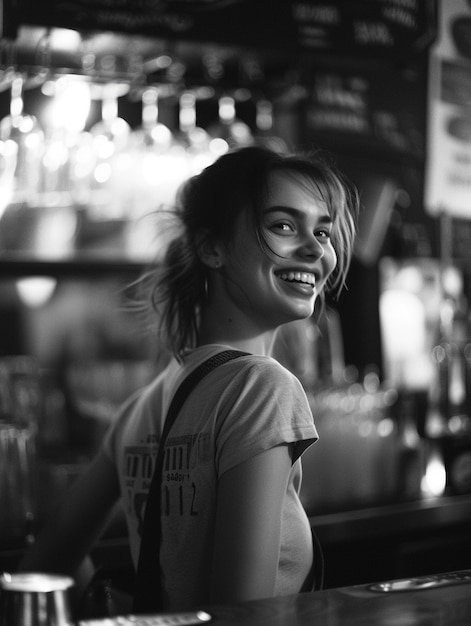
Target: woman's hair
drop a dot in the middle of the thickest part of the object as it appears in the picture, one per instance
(209, 204)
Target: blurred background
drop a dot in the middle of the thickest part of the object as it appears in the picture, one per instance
(106, 108)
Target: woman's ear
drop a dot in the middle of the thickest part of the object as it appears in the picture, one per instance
(209, 252)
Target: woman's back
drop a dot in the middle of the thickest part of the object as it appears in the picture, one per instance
(237, 411)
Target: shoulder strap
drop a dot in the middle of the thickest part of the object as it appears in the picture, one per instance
(148, 595)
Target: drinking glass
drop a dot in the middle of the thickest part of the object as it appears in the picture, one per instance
(25, 132)
(196, 140)
(228, 127)
(35, 599)
(112, 160)
(19, 411)
(156, 165)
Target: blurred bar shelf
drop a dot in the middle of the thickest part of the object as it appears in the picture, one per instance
(377, 522)
(93, 266)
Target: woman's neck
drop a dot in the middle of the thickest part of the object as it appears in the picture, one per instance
(223, 329)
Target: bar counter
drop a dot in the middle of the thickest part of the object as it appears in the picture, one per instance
(441, 600)
(398, 540)
(377, 543)
(431, 513)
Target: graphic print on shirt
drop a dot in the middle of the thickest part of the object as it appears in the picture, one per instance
(179, 486)
(139, 463)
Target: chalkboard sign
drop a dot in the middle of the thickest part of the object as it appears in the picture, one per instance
(383, 26)
(369, 110)
(360, 26)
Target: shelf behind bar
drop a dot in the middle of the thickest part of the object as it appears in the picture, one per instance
(92, 267)
(389, 520)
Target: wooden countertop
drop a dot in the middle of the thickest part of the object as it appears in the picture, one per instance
(448, 605)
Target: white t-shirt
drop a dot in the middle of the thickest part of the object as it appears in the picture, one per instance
(237, 411)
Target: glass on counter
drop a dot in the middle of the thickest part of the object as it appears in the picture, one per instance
(19, 409)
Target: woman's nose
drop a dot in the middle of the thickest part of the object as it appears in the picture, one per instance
(311, 247)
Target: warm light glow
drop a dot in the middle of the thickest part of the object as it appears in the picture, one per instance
(119, 127)
(83, 157)
(385, 427)
(187, 116)
(55, 156)
(8, 156)
(102, 173)
(264, 115)
(35, 291)
(403, 333)
(65, 39)
(403, 320)
(200, 161)
(32, 140)
(27, 123)
(227, 110)
(218, 146)
(452, 282)
(161, 135)
(104, 148)
(71, 105)
(152, 167)
(434, 480)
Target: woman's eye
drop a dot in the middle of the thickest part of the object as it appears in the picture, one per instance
(323, 233)
(283, 226)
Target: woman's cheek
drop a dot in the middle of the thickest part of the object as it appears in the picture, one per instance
(330, 259)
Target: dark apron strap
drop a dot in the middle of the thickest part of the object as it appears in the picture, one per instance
(148, 596)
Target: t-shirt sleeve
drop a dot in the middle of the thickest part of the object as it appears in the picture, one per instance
(265, 406)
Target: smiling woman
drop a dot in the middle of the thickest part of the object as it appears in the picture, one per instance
(230, 202)
(262, 237)
(260, 287)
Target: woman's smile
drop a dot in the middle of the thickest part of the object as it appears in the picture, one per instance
(298, 277)
(298, 283)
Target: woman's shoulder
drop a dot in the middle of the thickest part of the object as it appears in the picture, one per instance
(263, 375)
(266, 367)
(247, 362)
(250, 371)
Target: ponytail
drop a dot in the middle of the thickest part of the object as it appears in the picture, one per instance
(177, 294)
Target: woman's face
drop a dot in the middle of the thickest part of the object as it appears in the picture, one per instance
(281, 285)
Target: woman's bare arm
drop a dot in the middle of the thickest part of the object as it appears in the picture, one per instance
(248, 527)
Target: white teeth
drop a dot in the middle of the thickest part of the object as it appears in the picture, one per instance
(300, 277)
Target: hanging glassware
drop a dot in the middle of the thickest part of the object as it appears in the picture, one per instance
(264, 122)
(65, 119)
(232, 130)
(8, 160)
(110, 187)
(152, 132)
(153, 173)
(24, 132)
(194, 138)
(152, 145)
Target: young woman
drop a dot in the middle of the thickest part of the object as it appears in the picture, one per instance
(263, 236)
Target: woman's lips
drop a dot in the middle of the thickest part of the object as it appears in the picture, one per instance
(293, 276)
